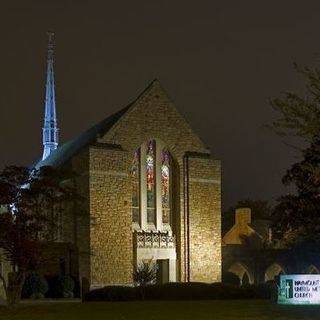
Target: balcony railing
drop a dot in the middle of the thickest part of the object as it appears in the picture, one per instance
(151, 239)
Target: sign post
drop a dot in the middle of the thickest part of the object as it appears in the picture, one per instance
(299, 289)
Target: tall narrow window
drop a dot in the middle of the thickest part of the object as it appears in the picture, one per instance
(165, 186)
(135, 184)
(151, 190)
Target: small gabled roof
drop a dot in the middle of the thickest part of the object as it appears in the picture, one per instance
(261, 227)
(70, 148)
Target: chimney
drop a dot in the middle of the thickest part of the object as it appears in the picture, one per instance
(243, 216)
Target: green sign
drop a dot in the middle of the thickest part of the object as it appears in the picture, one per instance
(299, 289)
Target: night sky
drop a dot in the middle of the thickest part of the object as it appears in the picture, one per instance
(218, 60)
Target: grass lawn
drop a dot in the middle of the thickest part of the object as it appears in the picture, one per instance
(156, 310)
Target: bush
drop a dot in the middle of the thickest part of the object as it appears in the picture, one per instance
(66, 285)
(114, 293)
(179, 291)
(61, 287)
(145, 274)
(230, 279)
(35, 286)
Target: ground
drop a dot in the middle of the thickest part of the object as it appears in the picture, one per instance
(161, 310)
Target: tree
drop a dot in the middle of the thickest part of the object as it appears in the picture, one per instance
(297, 216)
(299, 114)
(260, 210)
(31, 201)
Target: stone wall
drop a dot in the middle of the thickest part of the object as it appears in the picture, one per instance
(154, 116)
(204, 221)
(104, 232)
(110, 211)
(81, 214)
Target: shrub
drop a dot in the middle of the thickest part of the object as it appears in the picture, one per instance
(179, 291)
(53, 291)
(230, 279)
(61, 287)
(35, 286)
(145, 274)
(66, 285)
(114, 293)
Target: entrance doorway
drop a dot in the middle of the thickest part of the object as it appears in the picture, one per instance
(162, 271)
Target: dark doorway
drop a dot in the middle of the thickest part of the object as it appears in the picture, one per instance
(162, 271)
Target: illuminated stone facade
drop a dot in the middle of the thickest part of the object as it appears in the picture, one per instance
(183, 236)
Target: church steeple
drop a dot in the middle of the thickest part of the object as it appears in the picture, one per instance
(50, 129)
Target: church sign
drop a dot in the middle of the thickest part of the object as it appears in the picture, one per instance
(299, 289)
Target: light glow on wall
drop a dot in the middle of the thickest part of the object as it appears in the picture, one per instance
(299, 289)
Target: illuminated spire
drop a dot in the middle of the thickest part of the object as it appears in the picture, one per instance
(50, 129)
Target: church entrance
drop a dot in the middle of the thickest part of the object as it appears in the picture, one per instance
(162, 271)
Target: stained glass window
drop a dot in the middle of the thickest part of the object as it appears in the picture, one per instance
(150, 172)
(165, 185)
(135, 185)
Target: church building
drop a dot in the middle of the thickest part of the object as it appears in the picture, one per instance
(151, 190)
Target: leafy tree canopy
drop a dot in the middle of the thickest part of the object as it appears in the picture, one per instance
(31, 202)
(299, 114)
(297, 216)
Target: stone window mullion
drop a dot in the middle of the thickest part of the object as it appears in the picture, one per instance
(159, 147)
(143, 188)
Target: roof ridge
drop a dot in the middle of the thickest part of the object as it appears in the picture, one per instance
(69, 148)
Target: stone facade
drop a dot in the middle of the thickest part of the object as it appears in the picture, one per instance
(104, 233)
(110, 231)
(204, 219)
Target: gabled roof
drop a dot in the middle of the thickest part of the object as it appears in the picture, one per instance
(67, 150)
(261, 227)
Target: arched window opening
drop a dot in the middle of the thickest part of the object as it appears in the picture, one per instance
(151, 187)
(242, 272)
(273, 271)
(312, 270)
(165, 186)
(135, 184)
(245, 279)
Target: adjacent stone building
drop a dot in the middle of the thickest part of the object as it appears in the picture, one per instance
(252, 256)
(151, 192)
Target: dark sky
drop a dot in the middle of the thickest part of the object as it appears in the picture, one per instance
(219, 61)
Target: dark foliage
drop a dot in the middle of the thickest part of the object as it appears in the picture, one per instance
(145, 274)
(114, 293)
(230, 278)
(299, 114)
(62, 286)
(179, 291)
(66, 285)
(31, 204)
(54, 290)
(35, 286)
(297, 217)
